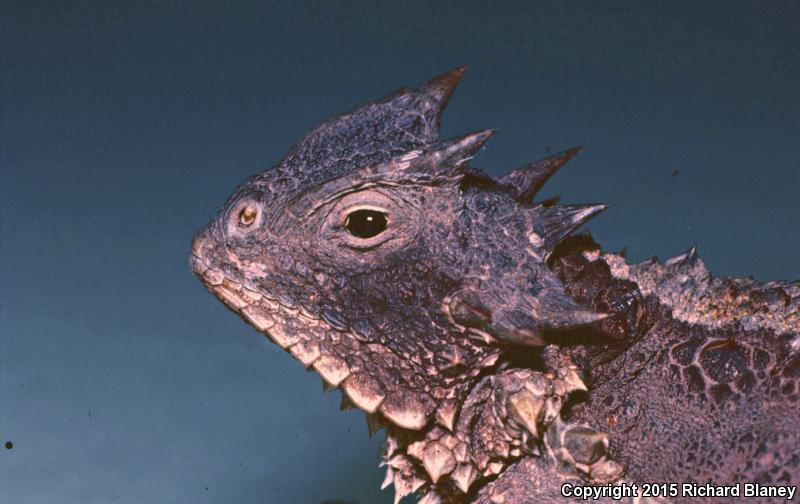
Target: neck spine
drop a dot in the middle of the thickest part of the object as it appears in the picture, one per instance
(506, 416)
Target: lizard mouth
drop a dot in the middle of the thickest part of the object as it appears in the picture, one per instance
(315, 342)
(197, 261)
(233, 294)
(260, 311)
(293, 329)
(254, 307)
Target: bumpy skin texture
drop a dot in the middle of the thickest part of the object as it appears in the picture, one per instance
(692, 390)
(502, 356)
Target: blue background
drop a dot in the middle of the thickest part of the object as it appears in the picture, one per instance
(125, 127)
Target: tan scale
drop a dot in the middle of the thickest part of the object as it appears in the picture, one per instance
(364, 391)
(332, 369)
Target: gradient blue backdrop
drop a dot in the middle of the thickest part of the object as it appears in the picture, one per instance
(125, 127)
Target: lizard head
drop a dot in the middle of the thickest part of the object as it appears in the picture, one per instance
(376, 255)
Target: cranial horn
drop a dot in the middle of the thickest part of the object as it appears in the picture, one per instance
(518, 316)
(685, 260)
(462, 149)
(439, 89)
(559, 311)
(529, 179)
(554, 223)
(443, 161)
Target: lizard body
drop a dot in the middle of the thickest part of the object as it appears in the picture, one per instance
(503, 356)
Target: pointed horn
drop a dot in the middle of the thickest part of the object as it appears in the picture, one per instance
(440, 88)
(346, 404)
(438, 163)
(443, 159)
(692, 253)
(374, 423)
(578, 317)
(559, 311)
(529, 179)
(687, 259)
(555, 223)
(464, 148)
(389, 479)
(520, 321)
(517, 327)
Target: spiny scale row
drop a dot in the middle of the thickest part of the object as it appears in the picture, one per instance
(525, 408)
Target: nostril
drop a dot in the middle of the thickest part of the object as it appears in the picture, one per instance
(197, 244)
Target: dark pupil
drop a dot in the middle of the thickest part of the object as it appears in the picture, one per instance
(365, 223)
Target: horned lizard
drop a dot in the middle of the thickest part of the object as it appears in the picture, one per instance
(504, 356)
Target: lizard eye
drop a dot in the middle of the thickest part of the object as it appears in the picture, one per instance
(365, 223)
(247, 216)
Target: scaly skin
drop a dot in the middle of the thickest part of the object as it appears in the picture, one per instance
(502, 357)
(686, 392)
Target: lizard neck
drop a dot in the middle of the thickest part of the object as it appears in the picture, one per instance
(687, 354)
(642, 296)
(512, 414)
